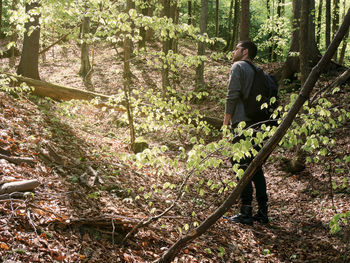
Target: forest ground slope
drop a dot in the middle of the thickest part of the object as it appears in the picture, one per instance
(89, 196)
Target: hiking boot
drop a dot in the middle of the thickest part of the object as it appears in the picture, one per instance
(261, 215)
(244, 217)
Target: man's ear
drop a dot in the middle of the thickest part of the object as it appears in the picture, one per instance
(245, 51)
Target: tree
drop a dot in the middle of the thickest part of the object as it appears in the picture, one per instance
(236, 20)
(328, 22)
(303, 38)
(335, 22)
(0, 18)
(229, 37)
(200, 83)
(127, 77)
(85, 66)
(319, 20)
(291, 66)
(217, 18)
(29, 63)
(166, 44)
(245, 20)
(189, 12)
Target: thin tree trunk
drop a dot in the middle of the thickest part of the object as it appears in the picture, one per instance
(194, 13)
(144, 12)
(267, 149)
(345, 41)
(200, 83)
(85, 65)
(235, 28)
(127, 79)
(149, 31)
(303, 40)
(245, 20)
(229, 37)
(291, 66)
(166, 44)
(335, 22)
(29, 63)
(328, 22)
(217, 19)
(189, 11)
(14, 36)
(319, 20)
(0, 18)
(268, 7)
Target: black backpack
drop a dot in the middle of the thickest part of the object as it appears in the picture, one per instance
(267, 86)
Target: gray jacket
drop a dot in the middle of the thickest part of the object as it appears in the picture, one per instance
(240, 82)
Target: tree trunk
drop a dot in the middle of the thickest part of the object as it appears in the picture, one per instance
(149, 31)
(166, 44)
(0, 18)
(127, 79)
(245, 20)
(319, 20)
(291, 66)
(217, 19)
(144, 11)
(328, 23)
(85, 65)
(229, 37)
(335, 22)
(236, 26)
(29, 63)
(267, 149)
(268, 8)
(14, 36)
(345, 41)
(303, 40)
(189, 12)
(200, 83)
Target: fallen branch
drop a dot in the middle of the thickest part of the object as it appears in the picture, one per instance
(55, 43)
(338, 81)
(19, 186)
(17, 160)
(271, 144)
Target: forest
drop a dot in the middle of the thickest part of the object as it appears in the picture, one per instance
(112, 143)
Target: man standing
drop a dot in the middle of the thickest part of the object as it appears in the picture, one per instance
(241, 80)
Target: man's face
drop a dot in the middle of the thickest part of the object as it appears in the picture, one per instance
(238, 53)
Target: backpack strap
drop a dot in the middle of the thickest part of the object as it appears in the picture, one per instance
(251, 64)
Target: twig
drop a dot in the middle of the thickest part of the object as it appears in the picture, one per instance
(113, 228)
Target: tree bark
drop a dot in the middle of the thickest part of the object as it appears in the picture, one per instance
(345, 42)
(85, 65)
(217, 19)
(189, 12)
(328, 23)
(0, 18)
(200, 83)
(319, 20)
(303, 40)
(144, 11)
(19, 186)
(245, 20)
(266, 150)
(236, 25)
(229, 37)
(29, 63)
(335, 22)
(291, 66)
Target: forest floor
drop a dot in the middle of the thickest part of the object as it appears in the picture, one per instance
(89, 196)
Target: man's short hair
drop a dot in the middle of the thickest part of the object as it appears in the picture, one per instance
(250, 45)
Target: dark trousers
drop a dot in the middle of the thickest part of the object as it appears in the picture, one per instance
(258, 179)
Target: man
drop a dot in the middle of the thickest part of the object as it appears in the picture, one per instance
(241, 80)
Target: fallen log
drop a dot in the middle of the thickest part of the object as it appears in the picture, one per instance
(62, 93)
(17, 160)
(19, 186)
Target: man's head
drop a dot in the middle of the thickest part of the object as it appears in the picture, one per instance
(245, 50)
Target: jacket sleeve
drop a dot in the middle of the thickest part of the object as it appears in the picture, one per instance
(234, 89)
